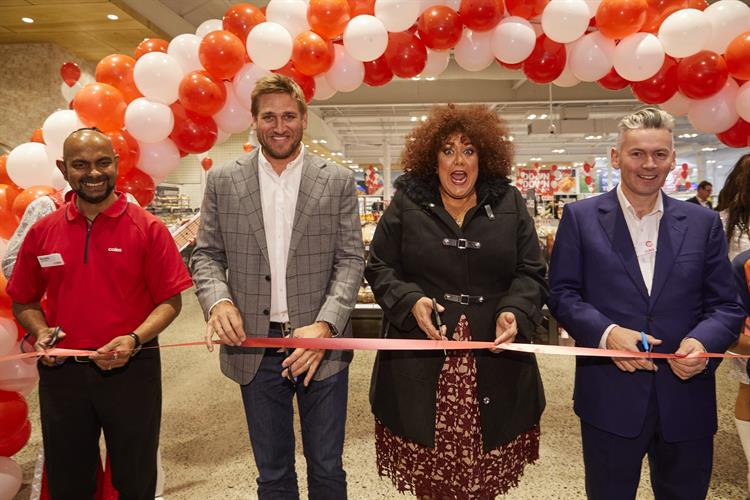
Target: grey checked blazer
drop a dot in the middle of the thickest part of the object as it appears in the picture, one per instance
(324, 267)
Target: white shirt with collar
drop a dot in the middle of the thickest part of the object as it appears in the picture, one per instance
(644, 232)
(279, 201)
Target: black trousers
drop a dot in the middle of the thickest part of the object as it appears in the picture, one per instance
(77, 402)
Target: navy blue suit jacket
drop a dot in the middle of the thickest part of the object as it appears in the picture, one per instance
(595, 281)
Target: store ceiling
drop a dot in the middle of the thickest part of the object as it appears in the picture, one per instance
(368, 119)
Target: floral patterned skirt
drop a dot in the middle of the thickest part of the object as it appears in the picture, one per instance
(457, 467)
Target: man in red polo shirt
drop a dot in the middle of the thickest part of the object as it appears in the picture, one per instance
(113, 277)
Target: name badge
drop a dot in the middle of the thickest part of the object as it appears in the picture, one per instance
(51, 260)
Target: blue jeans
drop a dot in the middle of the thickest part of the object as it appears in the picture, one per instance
(269, 412)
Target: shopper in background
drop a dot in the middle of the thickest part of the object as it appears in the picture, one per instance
(112, 276)
(456, 246)
(280, 250)
(734, 209)
(702, 195)
(635, 270)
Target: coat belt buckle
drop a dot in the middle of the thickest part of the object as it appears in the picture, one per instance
(462, 243)
(464, 299)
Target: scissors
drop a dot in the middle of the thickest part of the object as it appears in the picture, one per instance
(438, 321)
(287, 330)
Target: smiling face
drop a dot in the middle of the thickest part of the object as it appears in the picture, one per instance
(645, 158)
(279, 126)
(89, 165)
(458, 167)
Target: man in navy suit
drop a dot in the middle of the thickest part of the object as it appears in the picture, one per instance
(630, 261)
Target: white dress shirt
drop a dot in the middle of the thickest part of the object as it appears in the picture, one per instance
(644, 232)
(279, 200)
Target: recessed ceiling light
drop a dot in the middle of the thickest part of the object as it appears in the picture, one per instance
(558, 151)
(113, 17)
(323, 141)
(27, 20)
(532, 116)
(424, 118)
(710, 161)
(708, 149)
(543, 116)
(414, 118)
(720, 166)
(430, 78)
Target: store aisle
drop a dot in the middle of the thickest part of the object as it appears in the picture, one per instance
(206, 452)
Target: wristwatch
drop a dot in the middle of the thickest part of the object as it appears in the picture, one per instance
(138, 345)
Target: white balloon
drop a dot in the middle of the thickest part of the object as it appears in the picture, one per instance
(269, 45)
(157, 76)
(221, 136)
(56, 128)
(28, 165)
(567, 78)
(591, 57)
(717, 113)
(323, 89)
(208, 26)
(58, 180)
(453, 4)
(473, 52)
(245, 80)
(742, 102)
(19, 375)
(638, 57)
(513, 39)
(437, 61)
(159, 159)
(564, 21)
(685, 32)
(233, 117)
(10, 478)
(728, 18)
(593, 5)
(8, 335)
(365, 38)
(397, 15)
(347, 73)
(69, 93)
(677, 105)
(291, 14)
(148, 121)
(184, 48)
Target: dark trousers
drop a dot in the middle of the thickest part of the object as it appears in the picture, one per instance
(77, 402)
(679, 471)
(322, 411)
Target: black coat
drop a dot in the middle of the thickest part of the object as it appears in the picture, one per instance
(409, 260)
(694, 199)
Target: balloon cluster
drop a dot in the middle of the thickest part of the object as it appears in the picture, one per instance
(588, 177)
(681, 181)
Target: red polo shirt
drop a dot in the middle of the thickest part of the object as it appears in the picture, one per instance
(102, 279)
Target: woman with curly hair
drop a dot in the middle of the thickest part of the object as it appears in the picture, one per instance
(457, 246)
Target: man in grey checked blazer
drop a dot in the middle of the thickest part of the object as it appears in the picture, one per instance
(239, 256)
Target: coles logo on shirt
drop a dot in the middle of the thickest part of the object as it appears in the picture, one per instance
(114, 249)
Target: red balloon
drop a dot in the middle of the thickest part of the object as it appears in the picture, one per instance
(37, 136)
(328, 18)
(8, 220)
(247, 147)
(513, 66)
(137, 183)
(70, 73)
(657, 11)
(312, 54)
(406, 54)
(546, 62)
(361, 7)
(702, 75)
(117, 70)
(737, 136)
(150, 45)
(688, 185)
(588, 179)
(440, 27)
(27, 196)
(378, 72)
(660, 87)
(240, 18)
(12, 444)
(222, 54)
(207, 163)
(201, 93)
(306, 83)
(481, 15)
(685, 166)
(613, 81)
(100, 105)
(696, 4)
(525, 8)
(737, 56)
(126, 148)
(617, 19)
(684, 174)
(192, 132)
(13, 413)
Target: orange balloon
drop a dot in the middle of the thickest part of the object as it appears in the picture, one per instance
(222, 54)
(525, 8)
(8, 194)
(202, 93)
(696, 4)
(4, 178)
(247, 147)
(312, 54)
(36, 136)
(240, 18)
(328, 18)
(617, 19)
(117, 70)
(737, 56)
(6, 302)
(361, 7)
(150, 45)
(100, 105)
(127, 150)
(27, 196)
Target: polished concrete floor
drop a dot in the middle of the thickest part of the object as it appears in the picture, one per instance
(206, 452)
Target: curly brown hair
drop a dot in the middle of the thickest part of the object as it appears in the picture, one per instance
(735, 198)
(487, 133)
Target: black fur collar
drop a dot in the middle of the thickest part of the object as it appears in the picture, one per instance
(422, 190)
